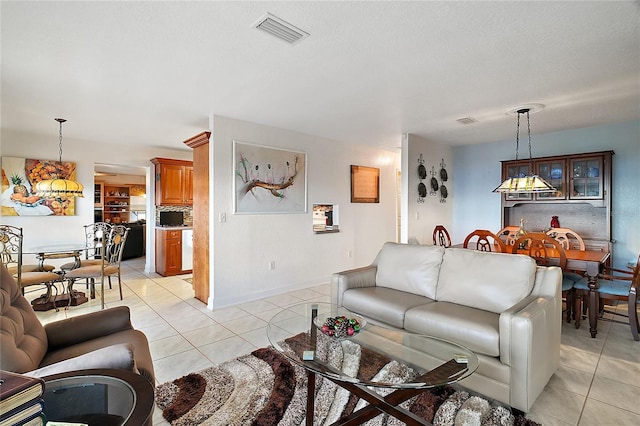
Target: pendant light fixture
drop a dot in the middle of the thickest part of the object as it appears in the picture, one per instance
(57, 187)
(532, 183)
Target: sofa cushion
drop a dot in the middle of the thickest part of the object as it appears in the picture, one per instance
(409, 268)
(476, 329)
(382, 304)
(490, 281)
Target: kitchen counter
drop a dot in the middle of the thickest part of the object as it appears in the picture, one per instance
(173, 228)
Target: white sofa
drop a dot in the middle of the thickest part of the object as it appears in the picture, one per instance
(503, 307)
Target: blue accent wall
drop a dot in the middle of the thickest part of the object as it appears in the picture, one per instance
(477, 171)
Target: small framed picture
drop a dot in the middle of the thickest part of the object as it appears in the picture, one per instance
(365, 184)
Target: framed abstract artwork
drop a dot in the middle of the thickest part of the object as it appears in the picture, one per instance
(365, 184)
(19, 179)
(268, 180)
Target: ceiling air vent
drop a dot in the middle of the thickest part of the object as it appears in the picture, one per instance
(467, 120)
(281, 29)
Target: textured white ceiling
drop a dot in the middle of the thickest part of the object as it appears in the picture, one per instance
(153, 72)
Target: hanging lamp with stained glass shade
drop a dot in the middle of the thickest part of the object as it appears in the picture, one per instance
(531, 183)
(57, 186)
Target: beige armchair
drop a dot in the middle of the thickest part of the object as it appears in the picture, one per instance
(103, 339)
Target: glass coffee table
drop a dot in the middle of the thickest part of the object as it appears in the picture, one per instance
(100, 397)
(302, 334)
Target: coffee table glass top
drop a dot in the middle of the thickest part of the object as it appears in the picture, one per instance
(98, 397)
(432, 361)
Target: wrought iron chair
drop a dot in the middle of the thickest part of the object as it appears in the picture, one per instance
(624, 286)
(509, 234)
(94, 234)
(11, 253)
(111, 251)
(486, 241)
(568, 238)
(547, 251)
(441, 236)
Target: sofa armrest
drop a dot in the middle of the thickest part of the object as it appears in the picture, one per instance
(115, 356)
(530, 345)
(90, 326)
(354, 278)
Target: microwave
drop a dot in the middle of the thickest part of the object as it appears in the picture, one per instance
(171, 218)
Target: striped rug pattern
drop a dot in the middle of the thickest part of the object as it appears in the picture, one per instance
(265, 389)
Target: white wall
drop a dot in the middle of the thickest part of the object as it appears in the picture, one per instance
(479, 173)
(40, 230)
(421, 218)
(244, 245)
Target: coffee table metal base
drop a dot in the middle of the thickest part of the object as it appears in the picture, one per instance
(378, 404)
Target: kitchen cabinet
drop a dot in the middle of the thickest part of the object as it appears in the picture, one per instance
(174, 251)
(174, 182)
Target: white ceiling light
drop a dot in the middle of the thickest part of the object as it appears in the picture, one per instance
(281, 29)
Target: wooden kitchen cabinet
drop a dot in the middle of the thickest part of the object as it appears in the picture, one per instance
(169, 252)
(174, 182)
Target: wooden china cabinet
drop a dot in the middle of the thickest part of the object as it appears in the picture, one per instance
(582, 199)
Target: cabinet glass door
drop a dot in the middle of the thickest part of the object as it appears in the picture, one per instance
(552, 172)
(586, 178)
(514, 170)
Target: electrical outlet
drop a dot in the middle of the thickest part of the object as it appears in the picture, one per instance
(349, 254)
(272, 265)
(417, 215)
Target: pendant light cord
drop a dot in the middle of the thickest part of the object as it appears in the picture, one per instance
(60, 120)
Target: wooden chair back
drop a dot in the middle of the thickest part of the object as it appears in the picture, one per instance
(568, 238)
(487, 241)
(545, 250)
(441, 236)
(509, 234)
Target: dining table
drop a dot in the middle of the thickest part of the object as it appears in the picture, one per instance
(587, 261)
(58, 251)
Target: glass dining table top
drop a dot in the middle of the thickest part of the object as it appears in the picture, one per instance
(54, 248)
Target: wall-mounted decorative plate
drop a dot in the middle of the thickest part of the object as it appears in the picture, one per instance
(443, 175)
(422, 190)
(434, 184)
(422, 171)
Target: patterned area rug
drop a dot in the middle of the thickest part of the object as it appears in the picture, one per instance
(265, 389)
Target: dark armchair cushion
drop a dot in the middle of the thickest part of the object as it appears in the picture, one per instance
(87, 327)
(23, 341)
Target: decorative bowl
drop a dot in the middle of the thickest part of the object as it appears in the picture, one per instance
(330, 325)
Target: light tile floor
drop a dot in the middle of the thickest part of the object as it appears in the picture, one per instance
(598, 382)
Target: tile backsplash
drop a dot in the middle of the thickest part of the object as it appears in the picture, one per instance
(187, 210)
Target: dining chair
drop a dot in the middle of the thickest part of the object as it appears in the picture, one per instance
(568, 238)
(509, 234)
(486, 241)
(441, 236)
(111, 252)
(547, 251)
(94, 233)
(11, 238)
(623, 286)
